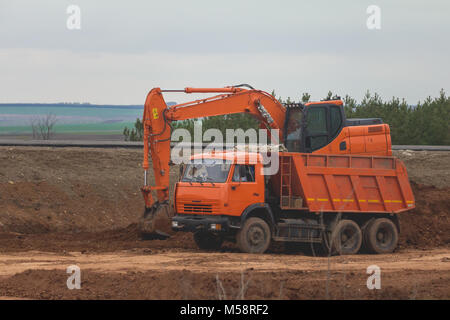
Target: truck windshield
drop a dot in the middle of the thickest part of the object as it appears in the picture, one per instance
(208, 170)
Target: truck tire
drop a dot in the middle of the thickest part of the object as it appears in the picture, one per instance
(346, 238)
(207, 240)
(254, 236)
(381, 236)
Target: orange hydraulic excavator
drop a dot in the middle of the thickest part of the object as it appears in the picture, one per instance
(337, 183)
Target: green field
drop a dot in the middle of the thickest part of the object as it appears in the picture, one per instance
(74, 119)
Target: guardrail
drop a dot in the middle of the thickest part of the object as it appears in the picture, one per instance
(138, 145)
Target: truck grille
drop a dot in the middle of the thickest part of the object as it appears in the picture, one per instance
(197, 208)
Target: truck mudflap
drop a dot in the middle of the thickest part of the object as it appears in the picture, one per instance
(193, 223)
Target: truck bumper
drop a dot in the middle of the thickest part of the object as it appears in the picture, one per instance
(193, 223)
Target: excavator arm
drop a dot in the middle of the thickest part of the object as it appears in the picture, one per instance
(157, 120)
(158, 117)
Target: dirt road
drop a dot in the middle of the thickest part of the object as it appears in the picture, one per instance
(70, 206)
(411, 274)
(219, 262)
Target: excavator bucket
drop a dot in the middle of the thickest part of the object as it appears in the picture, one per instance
(156, 222)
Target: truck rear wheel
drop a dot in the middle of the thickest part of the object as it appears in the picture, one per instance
(381, 236)
(254, 236)
(207, 240)
(346, 238)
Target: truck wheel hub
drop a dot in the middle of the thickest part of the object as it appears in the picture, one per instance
(384, 236)
(348, 238)
(256, 235)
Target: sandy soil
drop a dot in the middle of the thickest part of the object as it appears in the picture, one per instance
(195, 275)
(64, 206)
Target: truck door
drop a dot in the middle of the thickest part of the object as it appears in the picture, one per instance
(246, 188)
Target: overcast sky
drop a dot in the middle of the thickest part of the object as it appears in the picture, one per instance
(125, 48)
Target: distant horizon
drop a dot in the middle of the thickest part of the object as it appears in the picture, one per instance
(68, 103)
(78, 104)
(171, 103)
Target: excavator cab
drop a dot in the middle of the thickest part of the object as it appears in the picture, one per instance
(313, 126)
(322, 127)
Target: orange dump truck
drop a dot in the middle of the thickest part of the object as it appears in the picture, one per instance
(337, 186)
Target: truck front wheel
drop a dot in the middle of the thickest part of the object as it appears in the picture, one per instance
(207, 240)
(381, 236)
(254, 236)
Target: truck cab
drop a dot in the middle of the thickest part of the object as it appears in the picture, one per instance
(221, 196)
(215, 189)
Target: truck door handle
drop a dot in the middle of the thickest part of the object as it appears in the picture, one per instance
(256, 194)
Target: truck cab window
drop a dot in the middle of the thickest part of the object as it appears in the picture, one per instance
(244, 173)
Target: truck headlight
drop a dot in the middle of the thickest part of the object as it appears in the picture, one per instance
(216, 226)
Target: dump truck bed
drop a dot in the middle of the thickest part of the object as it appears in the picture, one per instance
(344, 183)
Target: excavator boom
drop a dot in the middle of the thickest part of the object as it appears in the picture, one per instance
(158, 117)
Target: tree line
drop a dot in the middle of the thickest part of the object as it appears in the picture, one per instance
(426, 123)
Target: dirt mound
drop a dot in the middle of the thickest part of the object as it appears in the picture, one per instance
(88, 199)
(426, 226)
(429, 224)
(427, 167)
(85, 242)
(70, 189)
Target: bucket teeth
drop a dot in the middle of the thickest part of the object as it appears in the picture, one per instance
(156, 223)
